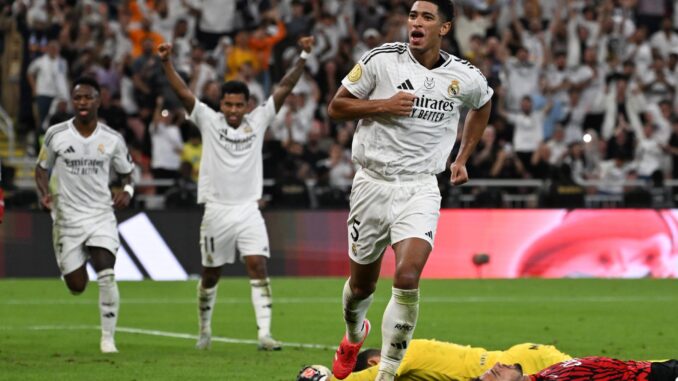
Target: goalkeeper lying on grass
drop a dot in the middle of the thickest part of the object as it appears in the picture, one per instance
(440, 361)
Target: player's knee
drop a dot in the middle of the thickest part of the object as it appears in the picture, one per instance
(256, 267)
(363, 291)
(209, 280)
(210, 276)
(406, 279)
(76, 288)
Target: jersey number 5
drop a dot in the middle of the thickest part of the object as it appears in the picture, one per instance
(355, 234)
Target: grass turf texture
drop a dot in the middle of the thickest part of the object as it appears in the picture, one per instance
(45, 333)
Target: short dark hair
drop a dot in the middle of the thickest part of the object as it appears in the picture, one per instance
(445, 8)
(89, 81)
(235, 87)
(361, 362)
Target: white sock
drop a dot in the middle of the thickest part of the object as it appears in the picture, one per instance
(355, 311)
(262, 300)
(400, 318)
(109, 301)
(206, 299)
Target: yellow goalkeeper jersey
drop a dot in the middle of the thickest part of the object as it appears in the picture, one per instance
(440, 361)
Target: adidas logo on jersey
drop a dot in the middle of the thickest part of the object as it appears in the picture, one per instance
(70, 150)
(407, 85)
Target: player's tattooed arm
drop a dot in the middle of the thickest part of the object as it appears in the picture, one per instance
(178, 85)
(122, 198)
(42, 184)
(287, 83)
(474, 126)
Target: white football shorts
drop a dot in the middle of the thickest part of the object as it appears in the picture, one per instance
(70, 241)
(385, 211)
(230, 229)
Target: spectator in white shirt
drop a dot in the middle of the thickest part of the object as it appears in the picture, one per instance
(528, 125)
(658, 83)
(163, 21)
(612, 174)
(649, 154)
(201, 71)
(166, 143)
(665, 39)
(217, 19)
(181, 46)
(557, 146)
(340, 169)
(520, 78)
(294, 120)
(47, 76)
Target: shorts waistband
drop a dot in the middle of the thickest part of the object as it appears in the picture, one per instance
(398, 178)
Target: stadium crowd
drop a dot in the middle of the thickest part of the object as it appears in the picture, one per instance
(585, 90)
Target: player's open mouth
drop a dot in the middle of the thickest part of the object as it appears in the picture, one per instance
(416, 36)
(83, 112)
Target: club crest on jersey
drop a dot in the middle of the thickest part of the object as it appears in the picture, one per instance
(101, 149)
(453, 88)
(429, 83)
(355, 73)
(248, 129)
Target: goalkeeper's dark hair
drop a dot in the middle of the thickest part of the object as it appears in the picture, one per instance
(89, 81)
(361, 362)
(235, 87)
(445, 8)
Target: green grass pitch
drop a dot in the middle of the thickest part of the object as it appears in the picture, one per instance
(47, 334)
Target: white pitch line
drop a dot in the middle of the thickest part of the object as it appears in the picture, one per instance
(176, 335)
(333, 300)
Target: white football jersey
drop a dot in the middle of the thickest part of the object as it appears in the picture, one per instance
(231, 169)
(81, 169)
(419, 143)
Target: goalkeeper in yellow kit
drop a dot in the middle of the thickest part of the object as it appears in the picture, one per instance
(440, 361)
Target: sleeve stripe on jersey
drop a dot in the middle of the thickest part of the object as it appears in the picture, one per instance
(51, 132)
(398, 49)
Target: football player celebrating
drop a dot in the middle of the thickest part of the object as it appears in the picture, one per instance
(230, 185)
(407, 97)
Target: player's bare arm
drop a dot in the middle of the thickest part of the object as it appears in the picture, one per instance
(178, 85)
(122, 198)
(474, 126)
(42, 183)
(345, 106)
(291, 78)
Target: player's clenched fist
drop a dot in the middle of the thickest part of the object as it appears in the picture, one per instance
(459, 175)
(165, 51)
(400, 103)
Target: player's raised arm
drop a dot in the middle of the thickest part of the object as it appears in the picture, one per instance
(178, 85)
(287, 83)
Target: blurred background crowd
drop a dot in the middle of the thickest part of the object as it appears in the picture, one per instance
(585, 91)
